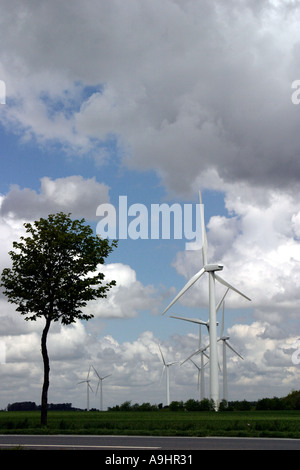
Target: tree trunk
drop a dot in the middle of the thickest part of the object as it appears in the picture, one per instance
(44, 401)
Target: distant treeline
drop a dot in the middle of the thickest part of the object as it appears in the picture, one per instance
(290, 402)
(31, 406)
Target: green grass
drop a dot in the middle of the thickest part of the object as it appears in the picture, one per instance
(163, 422)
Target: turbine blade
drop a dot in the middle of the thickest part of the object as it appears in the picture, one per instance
(201, 350)
(203, 232)
(162, 373)
(196, 365)
(220, 303)
(106, 376)
(225, 283)
(189, 358)
(232, 348)
(185, 288)
(193, 320)
(194, 354)
(162, 356)
(222, 327)
(199, 369)
(206, 355)
(96, 372)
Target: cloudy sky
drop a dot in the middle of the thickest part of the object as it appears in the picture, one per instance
(156, 100)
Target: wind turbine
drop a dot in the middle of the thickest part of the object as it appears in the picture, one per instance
(201, 350)
(225, 343)
(88, 387)
(211, 270)
(201, 384)
(166, 366)
(100, 383)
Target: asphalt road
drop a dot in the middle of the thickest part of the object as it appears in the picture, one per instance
(134, 444)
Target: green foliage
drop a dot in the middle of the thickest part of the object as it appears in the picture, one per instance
(125, 406)
(176, 406)
(54, 274)
(51, 273)
(196, 405)
(159, 422)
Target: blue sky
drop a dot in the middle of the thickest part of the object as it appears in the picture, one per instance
(156, 101)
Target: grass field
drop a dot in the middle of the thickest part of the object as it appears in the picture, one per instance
(166, 423)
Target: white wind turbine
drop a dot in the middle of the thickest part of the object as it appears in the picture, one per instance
(201, 384)
(225, 339)
(200, 351)
(211, 270)
(100, 384)
(167, 365)
(88, 387)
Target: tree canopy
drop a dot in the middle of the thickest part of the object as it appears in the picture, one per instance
(54, 273)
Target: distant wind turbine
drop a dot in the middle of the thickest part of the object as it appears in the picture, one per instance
(225, 339)
(211, 270)
(100, 384)
(166, 366)
(88, 387)
(201, 384)
(200, 351)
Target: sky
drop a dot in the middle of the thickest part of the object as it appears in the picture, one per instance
(156, 100)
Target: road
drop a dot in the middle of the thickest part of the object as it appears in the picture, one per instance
(135, 444)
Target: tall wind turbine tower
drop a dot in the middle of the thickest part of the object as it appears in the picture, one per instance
(201, 351)
(201, 384)
(88, 387)
(167, 365)
(211, 270)
(100, 385)
(226, 344)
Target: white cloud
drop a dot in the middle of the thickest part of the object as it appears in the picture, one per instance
(127, 298)
(181, 90)
(68, 342)
(72, 194)
(136, 366)
(267, 360)
(259, 247)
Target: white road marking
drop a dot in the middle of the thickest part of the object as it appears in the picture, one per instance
(79, 446)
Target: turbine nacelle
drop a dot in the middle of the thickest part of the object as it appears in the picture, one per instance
(213, 267)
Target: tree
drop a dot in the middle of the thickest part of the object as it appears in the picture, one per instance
(54, 275)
